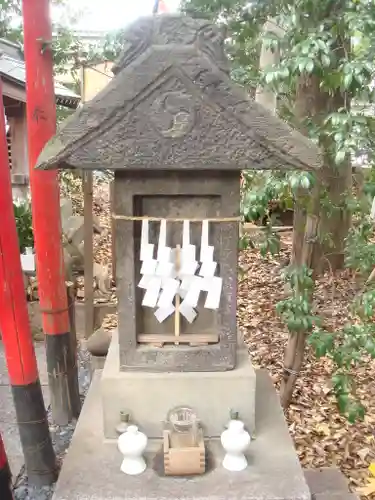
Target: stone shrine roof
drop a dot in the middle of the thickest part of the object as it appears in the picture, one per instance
(171, 106)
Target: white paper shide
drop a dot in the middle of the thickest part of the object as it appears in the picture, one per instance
(169, 272)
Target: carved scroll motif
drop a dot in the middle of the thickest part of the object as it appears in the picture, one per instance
(173, 30)
(173, 114)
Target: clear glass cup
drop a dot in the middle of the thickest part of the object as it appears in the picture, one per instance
(184, 421)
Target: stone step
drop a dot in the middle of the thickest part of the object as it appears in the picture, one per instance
(325, 480)
(338, 495)
(328, 483)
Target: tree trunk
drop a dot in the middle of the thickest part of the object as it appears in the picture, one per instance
(295, 350)
(294, 356)
(334, 180)
(299, 223)
(268, 98)
(319, 234)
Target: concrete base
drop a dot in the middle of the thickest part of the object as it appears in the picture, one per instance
(328, 483)
(91, 469)
(148, 397)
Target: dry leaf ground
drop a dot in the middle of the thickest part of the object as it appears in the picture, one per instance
(321, 436)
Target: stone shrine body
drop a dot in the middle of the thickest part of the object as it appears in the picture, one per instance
(177, 133)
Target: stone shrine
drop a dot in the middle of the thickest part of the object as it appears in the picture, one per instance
(177, 132)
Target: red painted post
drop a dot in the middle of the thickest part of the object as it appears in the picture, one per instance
(5, 475)
(45, 194)
(159, 7)
(17, 339)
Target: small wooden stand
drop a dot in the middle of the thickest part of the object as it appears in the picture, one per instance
(182, 457)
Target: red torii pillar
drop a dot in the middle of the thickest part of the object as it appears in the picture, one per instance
(5, 475)
(45, 195)
(31, 415)
(159, 7)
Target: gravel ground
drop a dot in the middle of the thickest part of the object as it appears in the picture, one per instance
(61, 437)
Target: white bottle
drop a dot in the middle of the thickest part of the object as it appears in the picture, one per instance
(132, 445)
(235, 440)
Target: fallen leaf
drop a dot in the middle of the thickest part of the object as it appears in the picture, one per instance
(363, 454)
(367, 490)
(371, 468)
(327, 390)
(323, 429)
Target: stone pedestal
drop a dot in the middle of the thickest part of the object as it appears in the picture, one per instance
(91, 469)
(148, 397)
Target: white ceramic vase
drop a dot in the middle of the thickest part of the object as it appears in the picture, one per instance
(235, 440)
(132, 445)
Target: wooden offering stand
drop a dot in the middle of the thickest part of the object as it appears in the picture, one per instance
(182, 455)
(183, 445)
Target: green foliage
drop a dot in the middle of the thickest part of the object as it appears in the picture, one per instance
(259, 190)
(263, 194)
(108, 50)
(64, 45)
(296, 311)
(349, 348)
(23, 216)
(354, 344)
(268, 242)
(9, 9)
(369, 185)
(343, 385)
(62, 113)
(329, 48)
(360, 249)
(68, 51)
(332, 41)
